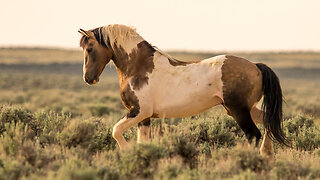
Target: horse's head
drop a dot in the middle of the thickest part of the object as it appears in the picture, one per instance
(96, 55)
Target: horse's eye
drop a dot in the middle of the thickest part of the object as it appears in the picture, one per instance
(89, 50)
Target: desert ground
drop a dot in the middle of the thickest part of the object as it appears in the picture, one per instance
(54, 126)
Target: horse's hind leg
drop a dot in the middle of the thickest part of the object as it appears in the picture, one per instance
(266, 146)
(241, 88)
(242, 115)
(144, 130)
(257, 115)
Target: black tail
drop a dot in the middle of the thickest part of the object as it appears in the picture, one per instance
(272, 104)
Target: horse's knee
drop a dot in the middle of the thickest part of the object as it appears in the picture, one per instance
(116, 133)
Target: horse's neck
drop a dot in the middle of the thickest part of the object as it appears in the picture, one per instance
(129, 45)
(135, 62)
(122, 52)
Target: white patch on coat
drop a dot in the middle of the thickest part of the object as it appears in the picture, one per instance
(181, 91)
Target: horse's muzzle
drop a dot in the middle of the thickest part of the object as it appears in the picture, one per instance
(91, 81)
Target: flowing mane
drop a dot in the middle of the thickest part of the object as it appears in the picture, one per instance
(117, 35)
(112, 35)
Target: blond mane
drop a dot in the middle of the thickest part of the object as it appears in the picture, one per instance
(164, 54)
(117, 34)
(112, 35)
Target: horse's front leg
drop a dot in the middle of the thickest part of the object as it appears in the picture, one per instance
(144, 130)
(131, 119)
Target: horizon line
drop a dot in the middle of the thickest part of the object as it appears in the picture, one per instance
(174, 50)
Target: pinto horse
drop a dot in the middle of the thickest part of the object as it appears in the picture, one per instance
(153, 84)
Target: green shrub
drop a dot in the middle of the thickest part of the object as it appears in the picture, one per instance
(42, 124)
(77, 133)
(213, 132)
(308, 139)
(169, 170)
(93, 135)
(47, 124)
(293, 125)
(13, 137)
(317, 152)
(221, 133)
(249, 158)
(141, 160)
(32, 153)
(50, 145)
(109, 173)
(10, 114)
(100, 110)
(82, 170)
(248, 175)
(230, 162)
(186, 149)
(302, 130)
(79, 174)
(192, 174)
(289, 169)
(75, 169)
(14, 169)
(103, 139)
(292, 164)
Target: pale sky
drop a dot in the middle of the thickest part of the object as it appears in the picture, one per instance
(206, 25)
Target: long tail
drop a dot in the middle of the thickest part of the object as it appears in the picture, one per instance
(272, 104)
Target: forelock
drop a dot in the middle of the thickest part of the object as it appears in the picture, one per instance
(99, 35)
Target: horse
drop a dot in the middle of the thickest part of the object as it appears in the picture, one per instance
(155, 85)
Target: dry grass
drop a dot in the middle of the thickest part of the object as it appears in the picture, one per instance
(39, 56)
(54, 126)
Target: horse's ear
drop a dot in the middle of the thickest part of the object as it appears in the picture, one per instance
(83, 32)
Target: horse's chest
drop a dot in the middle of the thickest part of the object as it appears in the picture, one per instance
(128, 96)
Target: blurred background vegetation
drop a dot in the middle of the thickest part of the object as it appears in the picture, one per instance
(54, 126)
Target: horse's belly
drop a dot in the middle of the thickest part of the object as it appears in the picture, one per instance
(184, 104)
